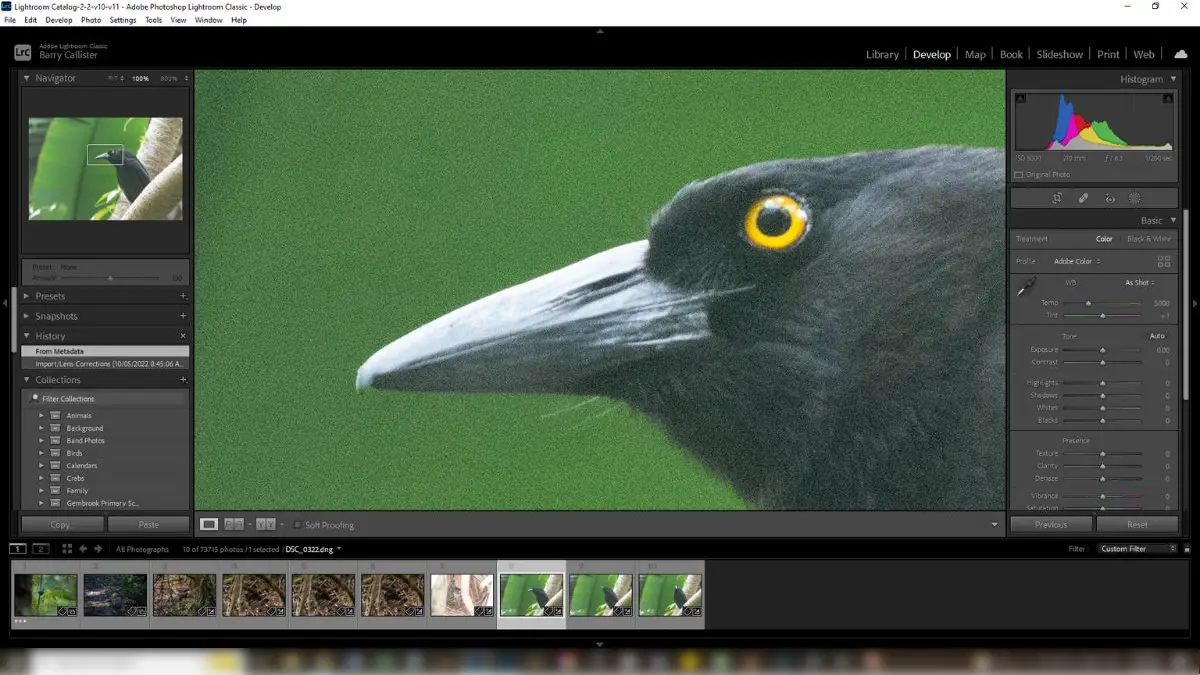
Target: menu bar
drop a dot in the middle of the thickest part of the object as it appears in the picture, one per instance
(1010, 13)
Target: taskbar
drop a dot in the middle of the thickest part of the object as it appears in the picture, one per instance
(609, 640)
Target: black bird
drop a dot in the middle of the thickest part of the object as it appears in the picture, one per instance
(822, 333)
(541, 597)
(132, 176)
(681, 598)
(610, 597)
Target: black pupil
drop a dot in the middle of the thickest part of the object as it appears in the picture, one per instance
(774, 220)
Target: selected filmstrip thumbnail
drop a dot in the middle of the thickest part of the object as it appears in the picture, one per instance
(670, 595)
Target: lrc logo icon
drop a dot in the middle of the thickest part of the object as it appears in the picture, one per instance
(6, 6)
(22, 52)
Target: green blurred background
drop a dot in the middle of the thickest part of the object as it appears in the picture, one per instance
(338, 210)
(66, 181)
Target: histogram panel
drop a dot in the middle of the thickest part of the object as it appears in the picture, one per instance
(1110, 121)
(1093, 136)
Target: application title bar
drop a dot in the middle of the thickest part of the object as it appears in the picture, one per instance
(748, 13)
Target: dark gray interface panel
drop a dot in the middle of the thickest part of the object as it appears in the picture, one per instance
(1096, 297)
(1096, 300)
(102, 308)
(600, 338)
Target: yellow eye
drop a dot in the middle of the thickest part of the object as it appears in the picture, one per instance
(776, 222)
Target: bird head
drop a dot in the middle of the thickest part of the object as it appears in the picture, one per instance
(728, 325)
(623, 311)
(114, 156)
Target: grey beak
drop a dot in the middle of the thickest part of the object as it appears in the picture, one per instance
(548, 334)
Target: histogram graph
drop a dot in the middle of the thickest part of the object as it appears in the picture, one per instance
(1115, 121)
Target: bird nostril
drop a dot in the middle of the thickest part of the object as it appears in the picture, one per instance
(610, 281)
(599, 286)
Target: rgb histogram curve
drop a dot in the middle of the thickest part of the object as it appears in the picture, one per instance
(1073, 132)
